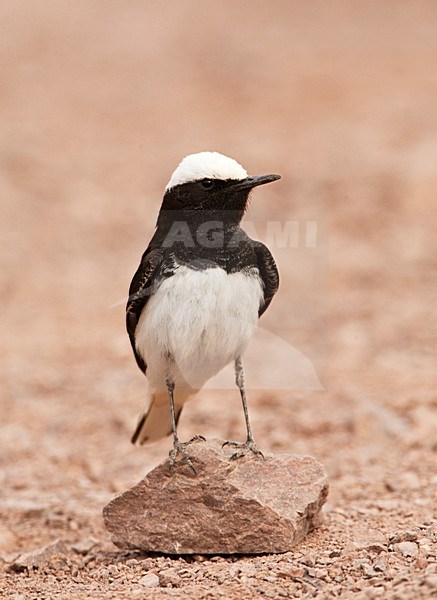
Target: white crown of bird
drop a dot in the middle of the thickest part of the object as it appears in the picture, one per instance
(206, 165)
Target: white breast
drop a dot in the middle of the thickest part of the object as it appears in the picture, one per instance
(202, 320)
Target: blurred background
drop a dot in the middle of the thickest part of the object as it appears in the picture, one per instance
(99, 102)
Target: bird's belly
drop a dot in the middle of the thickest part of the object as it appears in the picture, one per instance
(196, 323)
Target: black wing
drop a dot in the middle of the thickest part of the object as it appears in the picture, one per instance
(140, 290)
(268, 273)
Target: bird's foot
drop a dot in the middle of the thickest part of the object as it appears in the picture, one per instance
(243, 448)
(179, 448)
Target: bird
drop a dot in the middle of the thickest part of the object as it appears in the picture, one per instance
(196, 297)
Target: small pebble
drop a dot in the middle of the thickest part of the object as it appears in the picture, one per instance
(293, 572)
(403, 536)
(149, 581)
(321, 573)
(380, 566)
(84, 546)
(169, 577)
(367, 570)
(407, 549)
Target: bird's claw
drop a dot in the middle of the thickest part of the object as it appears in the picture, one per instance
(179, 448)
(244, 448)
(195, 438)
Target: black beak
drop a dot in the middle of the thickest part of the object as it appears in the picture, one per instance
(251, 182)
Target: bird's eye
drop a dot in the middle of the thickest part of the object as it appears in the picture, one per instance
(207, 184)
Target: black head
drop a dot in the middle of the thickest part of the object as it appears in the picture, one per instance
(209, 185)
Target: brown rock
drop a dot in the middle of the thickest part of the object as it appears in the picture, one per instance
(150, 580)
(292, 572)
(403, 536)
(248, 505)
(408, 549)
(169, 577)
(84, 546)
(370, 540)
(38, 558)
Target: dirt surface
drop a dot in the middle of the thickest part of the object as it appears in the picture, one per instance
(100, 100)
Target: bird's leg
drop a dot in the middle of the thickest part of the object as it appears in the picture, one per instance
(249, 445)
(177, 445)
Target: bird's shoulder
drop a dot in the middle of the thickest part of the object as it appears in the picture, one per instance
(268, 272)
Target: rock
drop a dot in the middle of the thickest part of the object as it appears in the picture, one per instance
(169, 577)
(403, 536)
(292, 572)
(84, 546)
(149, 581)
(380, 566)
(408, 549)
(249, 505)
(426, 547)
(368, 570)
(370, 540)
(38, 558)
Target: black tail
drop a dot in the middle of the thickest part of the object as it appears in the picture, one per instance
(156, 422)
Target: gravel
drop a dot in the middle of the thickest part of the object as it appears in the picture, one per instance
(99, 104)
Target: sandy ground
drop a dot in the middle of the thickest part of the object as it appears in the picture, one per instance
(100, 100)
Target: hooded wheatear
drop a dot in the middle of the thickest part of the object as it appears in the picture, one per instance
(196, 297)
